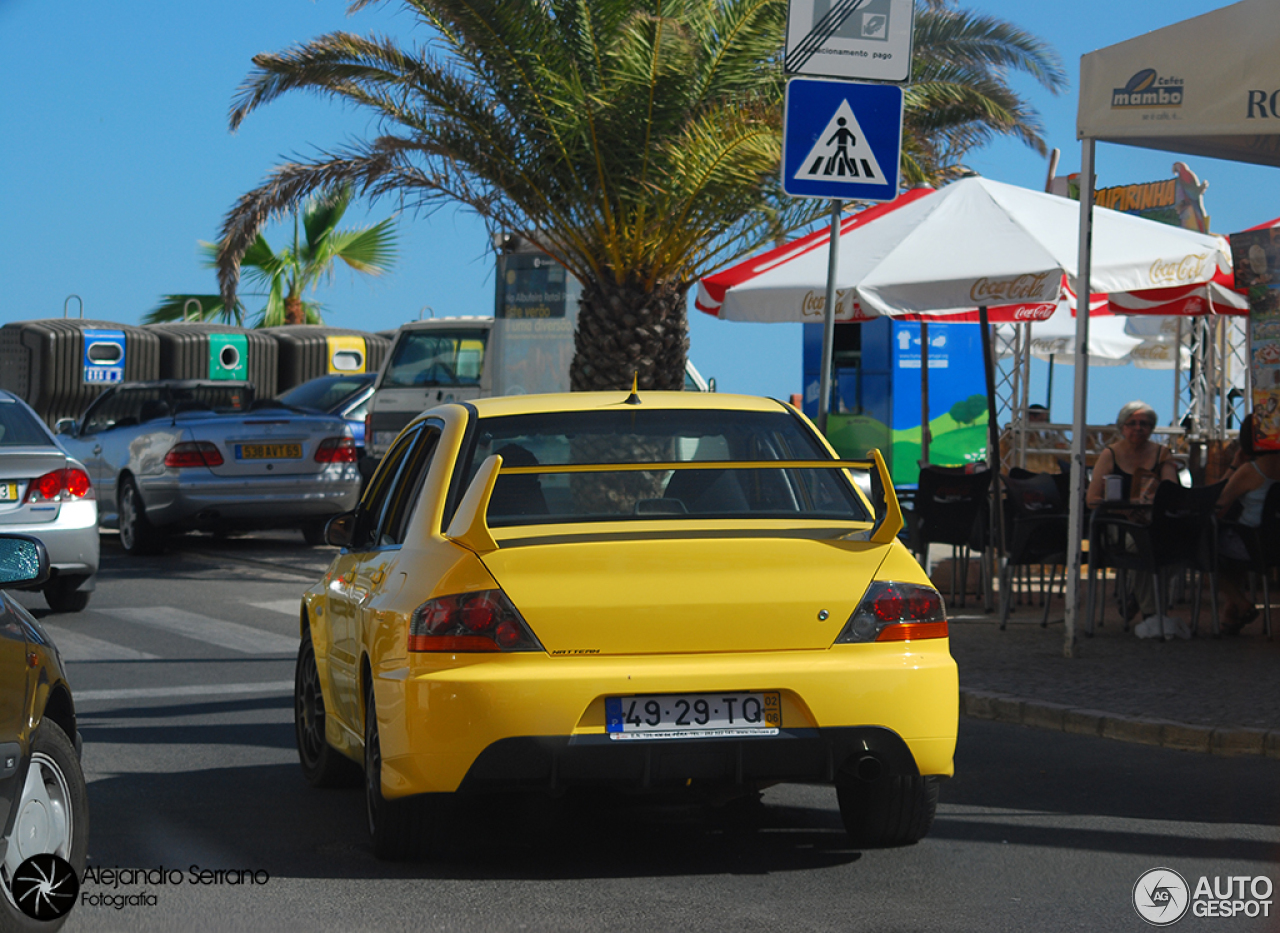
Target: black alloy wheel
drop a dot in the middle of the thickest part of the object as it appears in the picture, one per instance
(322, 764)
(395, 825)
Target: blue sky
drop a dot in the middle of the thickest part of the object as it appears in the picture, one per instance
(116, 159)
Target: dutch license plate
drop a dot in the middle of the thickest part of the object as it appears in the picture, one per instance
(692, 716)
(268, 451)
(8, 492)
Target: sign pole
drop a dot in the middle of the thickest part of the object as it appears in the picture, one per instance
(829, 317)
(1079, 445)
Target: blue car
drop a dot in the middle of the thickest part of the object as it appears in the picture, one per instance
(344, 395)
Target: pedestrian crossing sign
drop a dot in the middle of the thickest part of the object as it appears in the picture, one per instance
(841, 140)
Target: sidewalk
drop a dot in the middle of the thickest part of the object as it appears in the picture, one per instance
(1213, 695)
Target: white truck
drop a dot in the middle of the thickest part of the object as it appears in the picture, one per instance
(454, 359)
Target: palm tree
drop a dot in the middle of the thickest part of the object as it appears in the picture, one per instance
(286, 275)
(959, 99)
(637, 142)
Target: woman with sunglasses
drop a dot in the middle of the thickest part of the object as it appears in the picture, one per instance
(1132, 453)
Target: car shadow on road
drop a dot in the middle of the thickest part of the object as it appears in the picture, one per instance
(267, 817)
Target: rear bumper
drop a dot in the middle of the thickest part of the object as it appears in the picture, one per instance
(797, 755)
(71, 539)
(198, 498)
(520, 720)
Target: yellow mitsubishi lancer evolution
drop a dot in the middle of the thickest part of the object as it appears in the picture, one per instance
(646, 592)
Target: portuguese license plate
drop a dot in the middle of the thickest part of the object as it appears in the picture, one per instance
(692, 716)
(8, 492)
(268, 451)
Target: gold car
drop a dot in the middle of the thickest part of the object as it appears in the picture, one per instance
(647, 592)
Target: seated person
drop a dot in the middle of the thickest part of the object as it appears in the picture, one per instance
(1249, 478)
(520, 494)
(1134, 451)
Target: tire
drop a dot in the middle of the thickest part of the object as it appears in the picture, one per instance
(63, 594)
(888, 812)
(313, 533)
(137, 535)
(396, 826)
(54, 787)
(322, 764)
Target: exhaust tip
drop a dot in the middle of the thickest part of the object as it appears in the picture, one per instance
(868, 768)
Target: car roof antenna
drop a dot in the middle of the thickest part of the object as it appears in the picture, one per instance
(634, 397)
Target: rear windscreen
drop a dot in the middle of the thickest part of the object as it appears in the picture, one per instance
(325, 394)
(18, 428)
(630, 436)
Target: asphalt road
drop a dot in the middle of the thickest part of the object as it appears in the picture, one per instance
(183, 664)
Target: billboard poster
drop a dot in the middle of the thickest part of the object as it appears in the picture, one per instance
(877, 387)
(534, 317)
(1256, 257)
(1177, 201)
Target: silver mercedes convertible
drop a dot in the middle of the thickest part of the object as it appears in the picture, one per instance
(183, 455)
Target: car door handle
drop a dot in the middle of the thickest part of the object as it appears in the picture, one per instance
(97, 448)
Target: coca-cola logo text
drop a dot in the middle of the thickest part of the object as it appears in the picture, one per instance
(1040, 312)
(1002, 291)
(813, 303)
(1187, 269)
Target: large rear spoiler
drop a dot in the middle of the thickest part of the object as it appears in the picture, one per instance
(470, 529)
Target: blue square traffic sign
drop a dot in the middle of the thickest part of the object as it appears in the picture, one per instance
(841, 140)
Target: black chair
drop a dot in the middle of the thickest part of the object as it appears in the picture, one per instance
(1180, 535)
(1036, 534)
(1263, 550)
(950, 508)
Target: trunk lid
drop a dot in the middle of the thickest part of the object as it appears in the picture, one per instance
(676, 592)
(269, 443)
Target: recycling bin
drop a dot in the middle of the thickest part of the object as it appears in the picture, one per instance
(59, 365)
(202, 350)
(311, 350)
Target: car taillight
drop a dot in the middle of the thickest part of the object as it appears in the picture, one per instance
(480, 621)
(892, 611)
(336, 450)
(193, 454)
(61, 486)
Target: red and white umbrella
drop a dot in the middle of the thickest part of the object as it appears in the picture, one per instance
(939, 254)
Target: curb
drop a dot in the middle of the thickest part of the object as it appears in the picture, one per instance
(1226, 741)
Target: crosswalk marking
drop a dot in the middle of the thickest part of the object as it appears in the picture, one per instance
(75, 646)
(289, 607)
(230, 635)
(194, 690)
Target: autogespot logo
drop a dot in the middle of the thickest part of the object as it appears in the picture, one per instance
(1161, 896)
(45, 887)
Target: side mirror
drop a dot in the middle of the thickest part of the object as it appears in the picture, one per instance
(23, 561)
(66, 426)
(341, 530)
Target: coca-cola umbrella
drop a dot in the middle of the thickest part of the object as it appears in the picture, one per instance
(975, 243)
